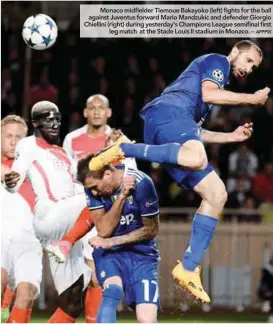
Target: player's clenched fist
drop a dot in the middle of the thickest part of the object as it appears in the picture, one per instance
(11, 179)
(128, 184)
(261, 96)
(113, 136)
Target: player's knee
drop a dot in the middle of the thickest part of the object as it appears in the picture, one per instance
(70, 301)
(71, 309)
(146, 314)
(113, 292)
(26, 293)
(218, 194)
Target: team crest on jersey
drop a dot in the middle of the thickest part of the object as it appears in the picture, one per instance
(149, 204)
(130, 200)
(16, 156)
(218, 75)
(102, 274)
(113, 198)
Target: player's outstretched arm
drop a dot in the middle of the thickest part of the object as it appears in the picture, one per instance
(211, 94)
(147, 232)
(241, 134)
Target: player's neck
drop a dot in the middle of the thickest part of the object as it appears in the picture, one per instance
(96, 132)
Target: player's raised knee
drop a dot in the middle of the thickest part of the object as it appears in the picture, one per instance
(219, 194)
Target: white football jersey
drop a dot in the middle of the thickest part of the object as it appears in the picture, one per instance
(48, 167)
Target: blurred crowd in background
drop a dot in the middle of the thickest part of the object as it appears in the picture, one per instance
(130, 72)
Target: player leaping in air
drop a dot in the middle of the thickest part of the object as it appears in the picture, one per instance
(173, 137)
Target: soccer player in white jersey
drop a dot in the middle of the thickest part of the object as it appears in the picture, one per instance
(19, 245)
(52, 176)
(91, 138)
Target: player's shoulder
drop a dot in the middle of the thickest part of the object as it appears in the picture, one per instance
(76, 133)
(141, 177)
(214, 58)
(26, 142)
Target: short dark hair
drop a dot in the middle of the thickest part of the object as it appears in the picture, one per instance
(83, 169)
(247, 44)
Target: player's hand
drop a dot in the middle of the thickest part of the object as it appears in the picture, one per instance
(128, 184)
(11, 179)
(113, 136)
(100, 242)
(261, 96)
(4, 170)
(242, 133)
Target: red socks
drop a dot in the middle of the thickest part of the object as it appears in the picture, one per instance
(19, 315)
(61, 317)
(92, 303)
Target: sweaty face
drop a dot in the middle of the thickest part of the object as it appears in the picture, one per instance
(49, 124)
(10, 136)
(97, 113)
(100, 187)
(245, 62)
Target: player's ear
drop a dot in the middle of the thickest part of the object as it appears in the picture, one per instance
(107, 173)
(109, 113)
(85, 112)
(234, 52)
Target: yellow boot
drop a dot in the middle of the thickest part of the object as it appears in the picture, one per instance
(108, 155)
(191, 280)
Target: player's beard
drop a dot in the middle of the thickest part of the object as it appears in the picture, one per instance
(44, 133)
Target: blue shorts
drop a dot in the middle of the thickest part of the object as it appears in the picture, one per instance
(138, 274)
(162, 125)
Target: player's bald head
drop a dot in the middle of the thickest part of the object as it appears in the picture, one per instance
(100, 97)
(42, 107)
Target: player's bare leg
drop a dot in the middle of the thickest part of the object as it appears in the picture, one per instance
(26, 293)
(190, 155)
(70, 304)
(146, 313)
(214, 195)
(4, 282)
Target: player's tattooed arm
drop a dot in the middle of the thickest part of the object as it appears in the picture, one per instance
(241, 134)
(147, 232)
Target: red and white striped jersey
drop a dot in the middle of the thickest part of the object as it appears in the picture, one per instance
(48, 167)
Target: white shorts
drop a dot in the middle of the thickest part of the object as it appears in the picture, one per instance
(51, 221)
(21, 251)
(87, 248)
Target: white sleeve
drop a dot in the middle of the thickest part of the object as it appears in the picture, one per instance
(130, 162)
(22, 162)
(68, 147)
